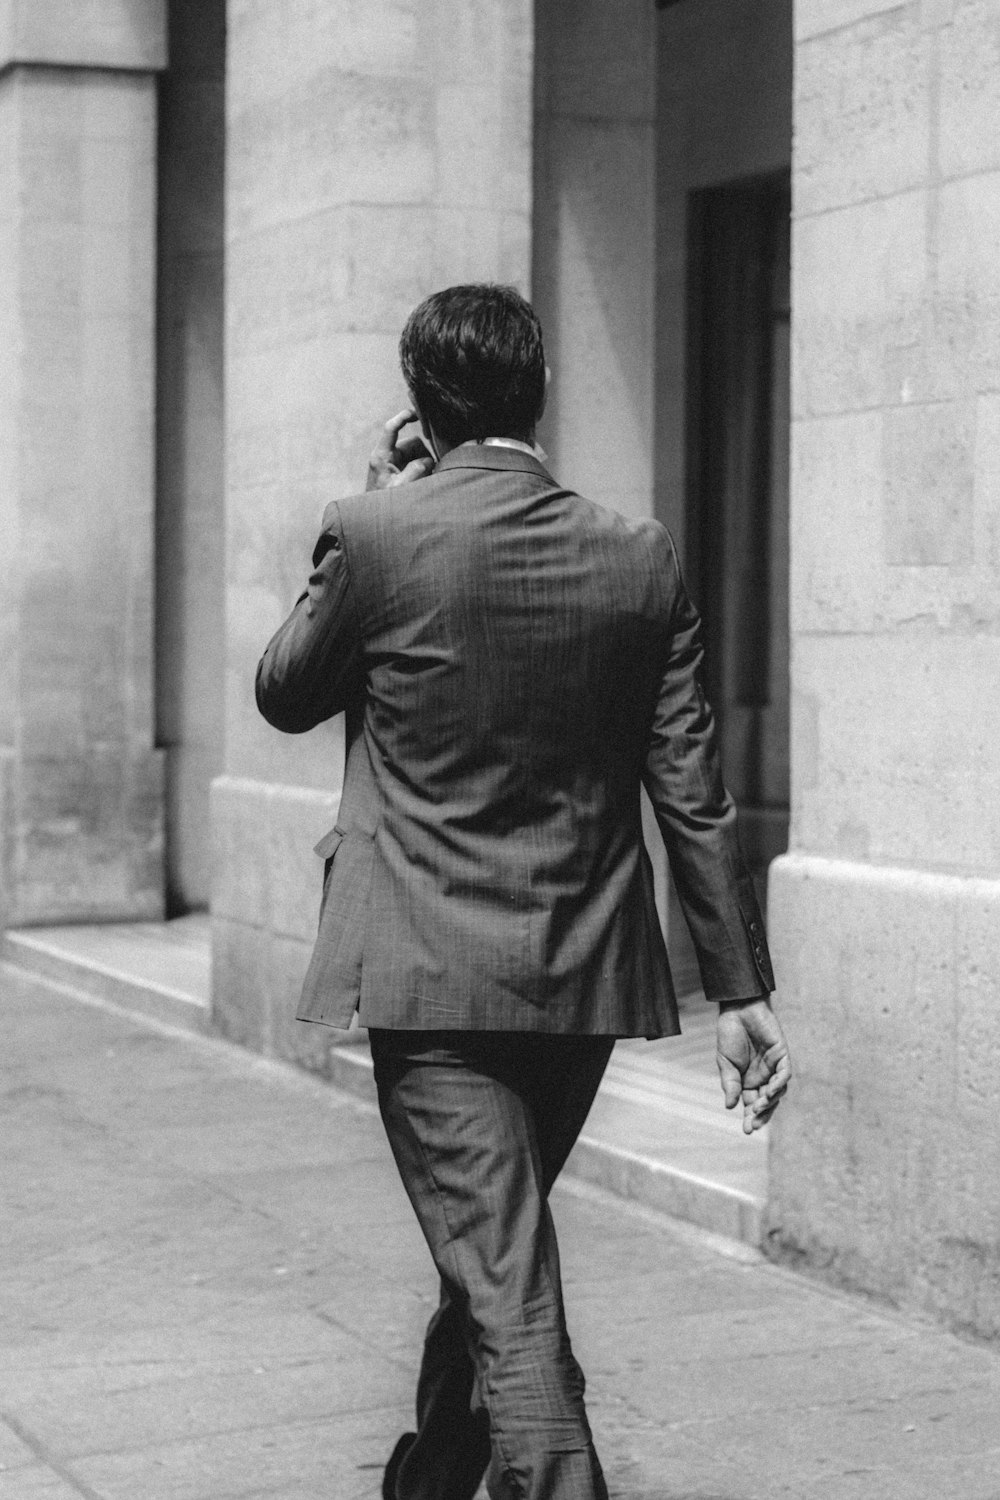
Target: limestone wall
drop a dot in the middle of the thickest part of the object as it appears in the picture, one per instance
(82, 803)
(886, 1165)
(93, 34)
(374, 153)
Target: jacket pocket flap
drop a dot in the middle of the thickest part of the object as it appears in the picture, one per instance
(327, 846)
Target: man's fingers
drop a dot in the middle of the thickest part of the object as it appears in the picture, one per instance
(758, 1107)
(390, 432)
(753, 1057)
(754, 1107)
(757, 1074)
(386, 457)
(414, 470)
(781, 1074)
(384, 452)
(409, 449)
(757, 1118)
(770, 1070)
(731, 1079)
(754, 1064)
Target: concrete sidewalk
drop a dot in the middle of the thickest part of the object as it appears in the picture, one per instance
(213, 1288)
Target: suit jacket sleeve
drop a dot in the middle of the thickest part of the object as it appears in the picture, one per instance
(312, 666)
(697, 818)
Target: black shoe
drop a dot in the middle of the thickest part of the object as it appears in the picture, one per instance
(395, 1463)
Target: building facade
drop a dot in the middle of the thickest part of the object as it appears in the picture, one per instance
(762, 241)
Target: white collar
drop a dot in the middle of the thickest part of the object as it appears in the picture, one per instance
(506, 442)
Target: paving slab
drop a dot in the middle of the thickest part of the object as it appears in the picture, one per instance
(214, 1288)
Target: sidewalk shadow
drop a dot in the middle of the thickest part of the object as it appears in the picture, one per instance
(617, 1492)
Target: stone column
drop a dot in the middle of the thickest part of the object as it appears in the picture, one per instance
(81, 797)
(594, 253)
(886, 913)
(375, 153)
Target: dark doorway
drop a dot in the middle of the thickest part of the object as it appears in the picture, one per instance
(737, 489)
(190, 516)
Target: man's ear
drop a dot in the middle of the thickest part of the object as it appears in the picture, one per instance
(427, 433)
(545, 394)
(431, 441)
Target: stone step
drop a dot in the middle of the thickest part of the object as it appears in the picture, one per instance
(657, 1134)
(160, 970)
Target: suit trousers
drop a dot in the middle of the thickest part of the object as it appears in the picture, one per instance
(480, 1124)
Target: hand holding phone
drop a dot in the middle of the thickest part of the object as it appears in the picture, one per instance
(393, 462)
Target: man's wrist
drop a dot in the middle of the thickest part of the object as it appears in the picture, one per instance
(740, 1004)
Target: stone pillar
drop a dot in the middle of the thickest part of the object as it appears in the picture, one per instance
(594, 253)
(885, 915)
(375, 153)
(81, 803)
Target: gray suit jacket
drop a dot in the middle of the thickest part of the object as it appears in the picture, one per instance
(514, 662)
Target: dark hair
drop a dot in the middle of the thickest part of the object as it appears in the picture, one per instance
(472, 358)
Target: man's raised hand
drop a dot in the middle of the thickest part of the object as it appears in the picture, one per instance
(753, 1060)
(393, 462)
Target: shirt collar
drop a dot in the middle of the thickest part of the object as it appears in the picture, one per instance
(507, 442)
(509, 455)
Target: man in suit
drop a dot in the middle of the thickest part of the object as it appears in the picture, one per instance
(514, 662)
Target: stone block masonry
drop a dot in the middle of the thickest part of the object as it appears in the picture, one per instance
(97, 34)
(83, 795)
(884, 913)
